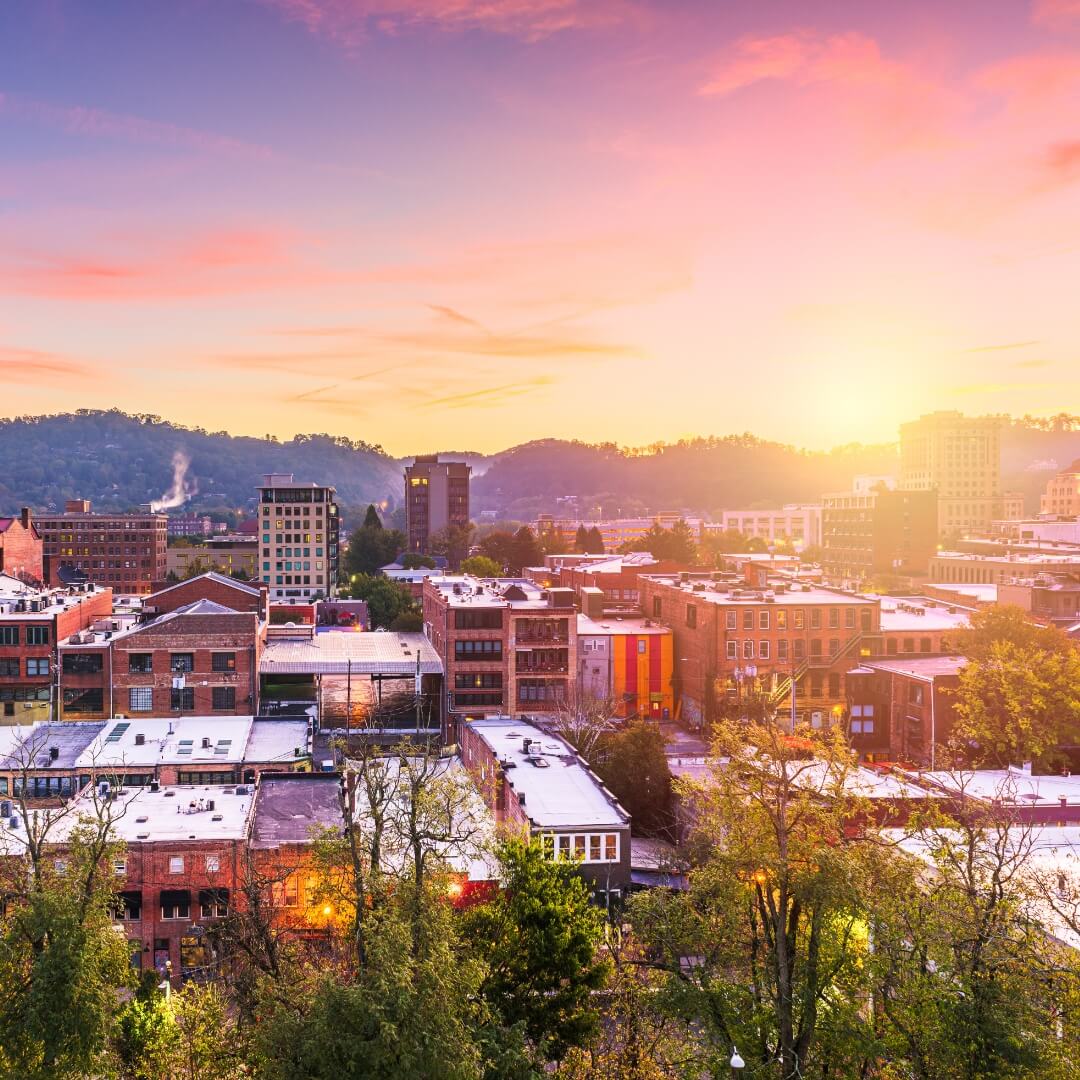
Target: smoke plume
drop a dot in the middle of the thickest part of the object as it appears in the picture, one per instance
(182, 488)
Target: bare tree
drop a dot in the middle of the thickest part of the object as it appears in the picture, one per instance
(584, 720)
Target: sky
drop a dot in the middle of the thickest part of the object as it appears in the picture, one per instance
(465, 224)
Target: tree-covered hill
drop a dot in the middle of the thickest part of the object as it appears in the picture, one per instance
(119, 461)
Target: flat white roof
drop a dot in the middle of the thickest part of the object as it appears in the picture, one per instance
(614, 625)
(919, 667)
(903, 613)
(984, 594)
(1010, 786)
(278, 740)
(166, 741)
(362, 652)
(794, 594)
(562, 794)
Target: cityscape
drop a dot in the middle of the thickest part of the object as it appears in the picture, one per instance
(539, 539)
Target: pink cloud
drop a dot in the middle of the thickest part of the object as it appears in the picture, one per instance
(1030, 79)
(350, 22)
(37, 367)
(1055, 13)
(87, 122)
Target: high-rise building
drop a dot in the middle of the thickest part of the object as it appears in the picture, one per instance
(1062, 497)
(123, 551)
(436, 496)
(298, 538)
(960, 458)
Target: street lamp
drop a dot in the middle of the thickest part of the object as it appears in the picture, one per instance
(737, 1063)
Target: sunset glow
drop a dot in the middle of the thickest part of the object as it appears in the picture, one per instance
(465, 224)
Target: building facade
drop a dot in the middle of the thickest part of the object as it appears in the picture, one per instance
(730, 640)
(507, 646)
(223, 554)
(436, 498)
(629, 662)
(124, 552)
(299, 527)
(881, 532)
(797, 524)
(21, 548)
(1062, 495)
(959, 457)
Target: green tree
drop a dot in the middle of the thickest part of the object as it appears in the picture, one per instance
(453, 542)
(635, 768)
(413, 560)
(386, 600)
(481, 566)
(676, 544)
(541, 938)
(594, 542)
(498, 546)
(526, 550)
(371, 546)
(581, 540)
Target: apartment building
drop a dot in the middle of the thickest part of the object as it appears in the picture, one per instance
(222, 554)
(990, 568)
(436, 497)
(628, 661)
(32, 622)
(299, 534)
(878, 532)
(194, 525)
(507, 646)
(959, 457)
(1062, 495)
(730, 639)
(21, 548)
(124, 552)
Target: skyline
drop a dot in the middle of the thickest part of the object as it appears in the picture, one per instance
(431, 223)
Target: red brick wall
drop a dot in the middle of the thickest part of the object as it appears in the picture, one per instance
(203, 588)
(21, 550)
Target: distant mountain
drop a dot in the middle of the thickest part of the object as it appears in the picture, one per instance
(120, 461)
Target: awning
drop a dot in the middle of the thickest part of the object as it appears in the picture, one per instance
(175, 897)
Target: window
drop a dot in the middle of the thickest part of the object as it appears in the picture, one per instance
(800, 648)
(284, 893)
(748, 649)
(480, 619)
(213, 864)
(763, 650)
(915, 695)
(37, 635)
(182, 699)
(9, 667)
(781, 620)
(129, 906)
(834, 684)
(642, 646)
(594, 847)
(224, 698)
(176, 864)
(485, 680)
(849, 618)
(175, 904)
(37, 665)
(140, 663)
(733, 650)
(763, 620)
(924, 644)
(120, 866)
(213, 903)
(798, 618)
(815, 647)
(834, 647)
(732, 620)
(834, 618)
(815, 618)
(691, 616)
(478, 650)
(181, 661)
(82, 663)
(9, 635)
(748, 620)
(865, 619)
(140, 698)
(611, 847)
(656, 607)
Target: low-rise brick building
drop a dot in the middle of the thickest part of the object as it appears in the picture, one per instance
(21, 549)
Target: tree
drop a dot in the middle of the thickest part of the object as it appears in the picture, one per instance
(386, 600)
(635, 768)
(498, 546)
(1019, 693)
(581, 540)
(526, 551)
(586, 721)
(453, 542)
(413, 560)
(676, 544)
(766, 950)
(371, 546)
(594, 542)
(481, 566)
(541, 938)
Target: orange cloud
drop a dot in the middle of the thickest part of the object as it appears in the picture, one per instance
(351, 22)
(89, 122)
(1055, 13)
(1063, 160)
(490, 396)
(34, 366)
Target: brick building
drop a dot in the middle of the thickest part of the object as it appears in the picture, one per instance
(436, 498)
(21, 548)
(901, 710)
(222, 554)
(729, 639)
(536, 783)
(506, 645)
(227, 591)
(201, 659)
(1062, 495)
(126, 552)
(615, 576)
(629, 661)
(32, 622)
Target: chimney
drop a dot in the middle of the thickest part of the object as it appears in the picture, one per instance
(26, 518)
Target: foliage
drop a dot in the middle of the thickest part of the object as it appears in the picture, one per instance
(589, 541)
(481, 566)
(387, 600)
(1019, 694)
(371, 546)
(453, 542)
(635, 767)
(540, 937)
(676, 544)
(514, 551)
(413, 560)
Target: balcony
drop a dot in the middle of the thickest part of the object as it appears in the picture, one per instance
(541, 638)
(527, 667)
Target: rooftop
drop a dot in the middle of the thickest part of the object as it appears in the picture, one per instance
(289, 807)
(981, 594)
(461, 590)
(1032, 558)
(559, 794)
(34, 749)
(23, 602)
(375, 653)
(921, 667)
(1009, 786)
(614, 625)
(211, 575)
(705, 588)
(912, 613)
